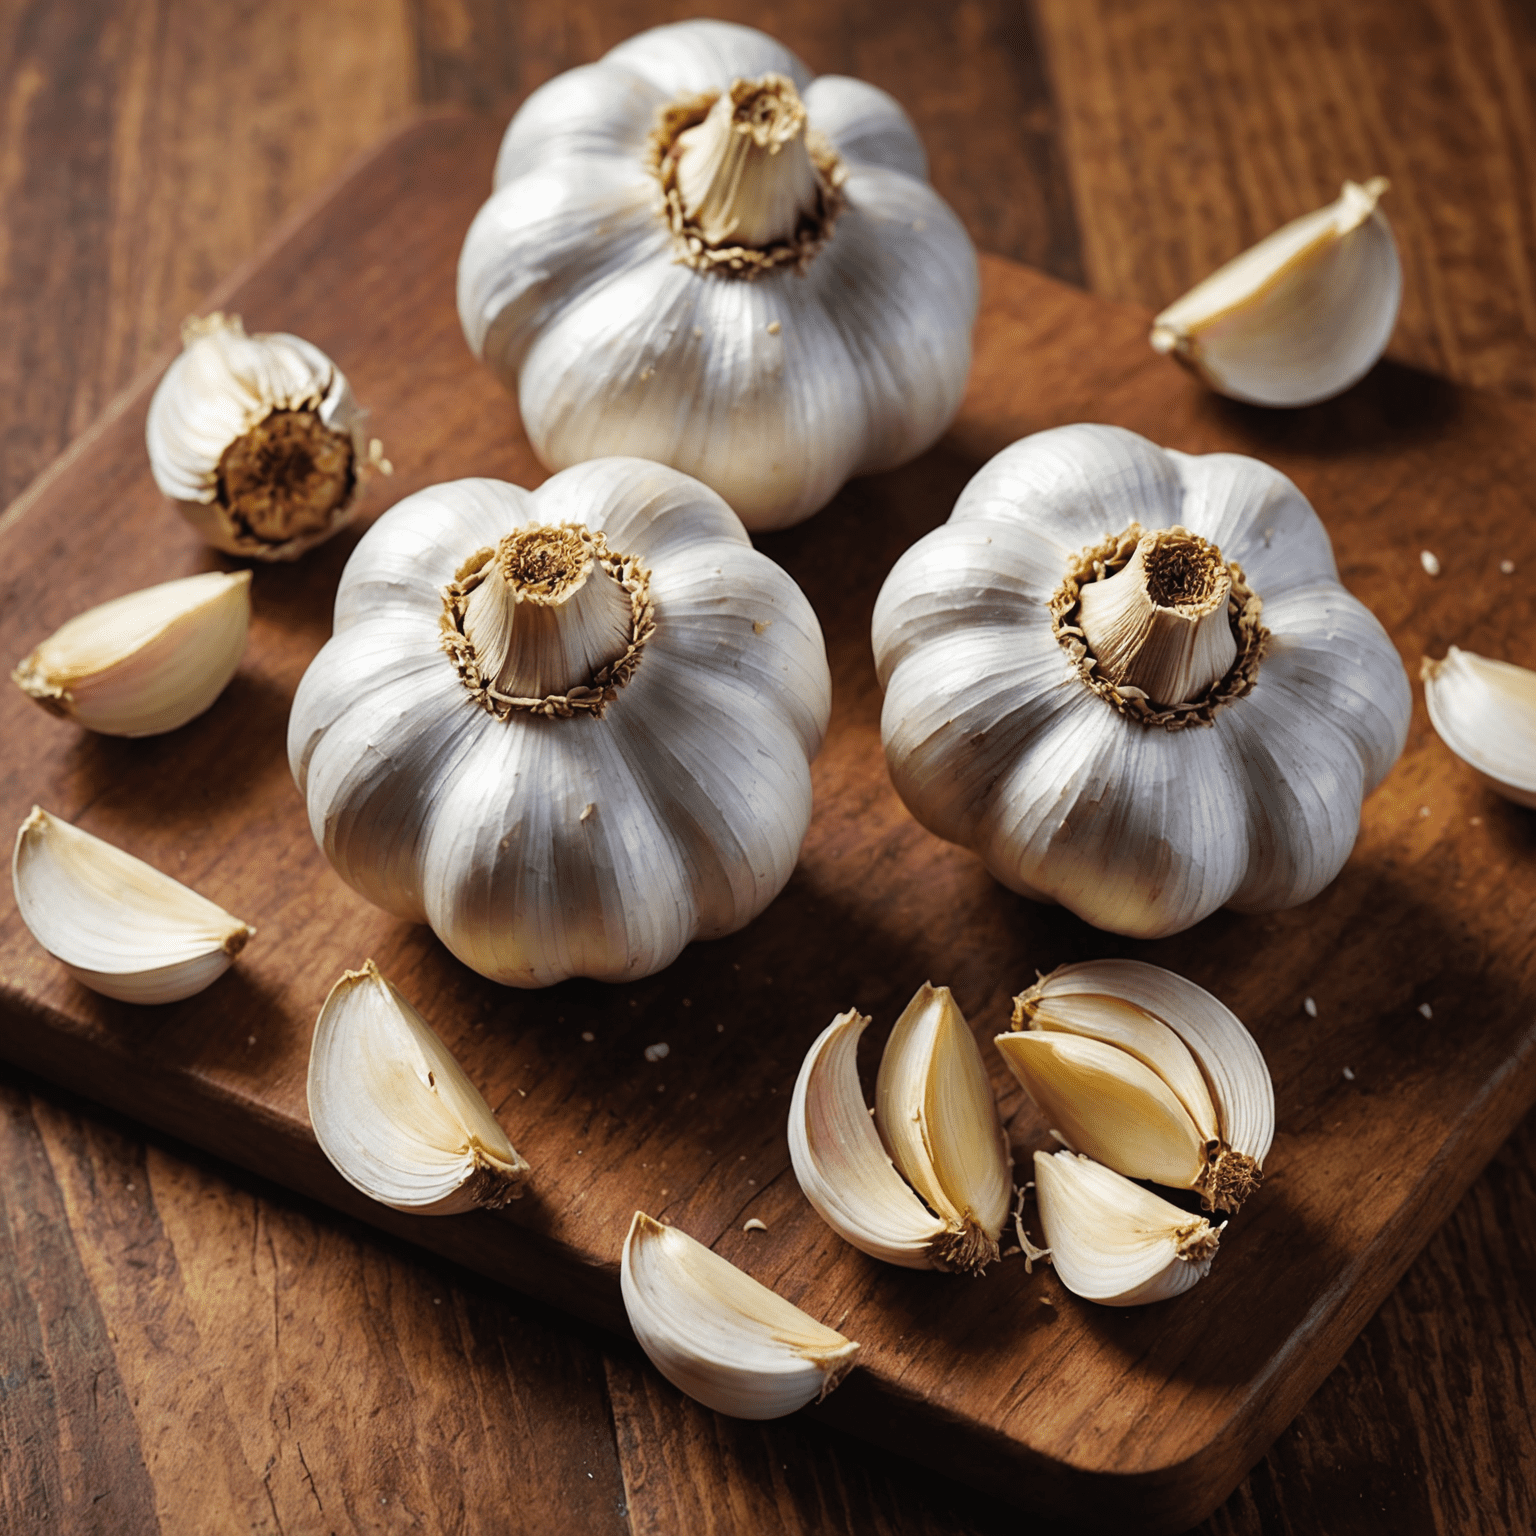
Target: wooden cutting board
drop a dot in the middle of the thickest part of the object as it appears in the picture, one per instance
(1137, 1418)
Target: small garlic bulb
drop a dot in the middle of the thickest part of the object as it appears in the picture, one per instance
(145, 663)
(258, 440)
(721, 1336)
(1485, 712)
(934, 1120)
(1299, 317)
(120, 926)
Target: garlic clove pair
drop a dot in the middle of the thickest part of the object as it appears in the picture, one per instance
(1485, 712)
(1112, 1241)
(394, 1111)
(926, 1184)
(145, 663)
(1147, 1073)
(118, 925)
(720, 1336)
(1300, 316)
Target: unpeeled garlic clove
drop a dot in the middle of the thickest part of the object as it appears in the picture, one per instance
(1112, 1241)
(936, 1132)
(720, 1336)
(395, 1113)
(145, 663)
(1300, 316)
(118, 925)
(1485, 712)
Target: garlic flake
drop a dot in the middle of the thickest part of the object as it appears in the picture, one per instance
(720, 1336)
(1299, 317)
(395, 1113)
(1485, 712)
(120, 926)
(145, 663)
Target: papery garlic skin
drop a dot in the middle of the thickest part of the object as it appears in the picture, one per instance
(1485, 712)
(1302, 315)
(721, 1336)
(995, 740)
(772, 384)
(145, 663)
(598, 833)
(258, 440)
(394, 1111)
(118, 925)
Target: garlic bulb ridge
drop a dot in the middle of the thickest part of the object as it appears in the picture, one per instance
(1485, 712)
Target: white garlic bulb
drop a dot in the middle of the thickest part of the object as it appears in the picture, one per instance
(145, 663)
(1199, 733)
(1485, 712)
(721, 1336)
(934, 1119)
(1114, 1242)
(1302, 315)
(699, 254)
(120, 926)
(394, 1111)
(569, 728)
(258, 440)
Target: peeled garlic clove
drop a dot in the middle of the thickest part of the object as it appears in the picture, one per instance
(935, 1111)
(118, 925)
(145, 663)
(1114, 1242)
(1485, 712)
(395, 1112)
(717, 1334)
(1302, 315)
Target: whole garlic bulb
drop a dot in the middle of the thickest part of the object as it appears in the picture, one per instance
(1130, 680)
(258, 440)
(699, 254)
(570, 728)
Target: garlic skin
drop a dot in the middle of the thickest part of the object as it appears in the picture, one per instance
(145, 663)
(118, 925)
(720, 1336)
(570, 728)
(1485, 712)
(935, 1120)
(1299, 317)
(1141, 814)
(394, 1111)
(258, 440)
(1114, 1242)
(699, 254)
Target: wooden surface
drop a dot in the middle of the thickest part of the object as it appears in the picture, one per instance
(1426, 1425)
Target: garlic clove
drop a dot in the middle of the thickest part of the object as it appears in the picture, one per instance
(1485, 712)
(1112, 1241)
(843, 1169)
(145, 663)
(720, 1336)
(395, 1113)
(118, 925)
(1300, 316)
(935, 1112)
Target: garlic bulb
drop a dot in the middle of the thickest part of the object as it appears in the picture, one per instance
(698, 254)
(258, 440)
(1302, 315)
(395, 1113)
(147, 662)
(939, 1126)
(570, 728)
(1147, 1073)
(120, 926)
(718, 1335)
(1114, 1242)
(1198, 732)
(1485, 712)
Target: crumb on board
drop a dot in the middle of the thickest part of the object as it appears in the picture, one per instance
(658, 1051)
(1349, 1074)
(1426, 1010)
(1309, 1006)
(752, 1224)
(1430, 562)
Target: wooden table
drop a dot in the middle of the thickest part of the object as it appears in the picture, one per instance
(182, 1348)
